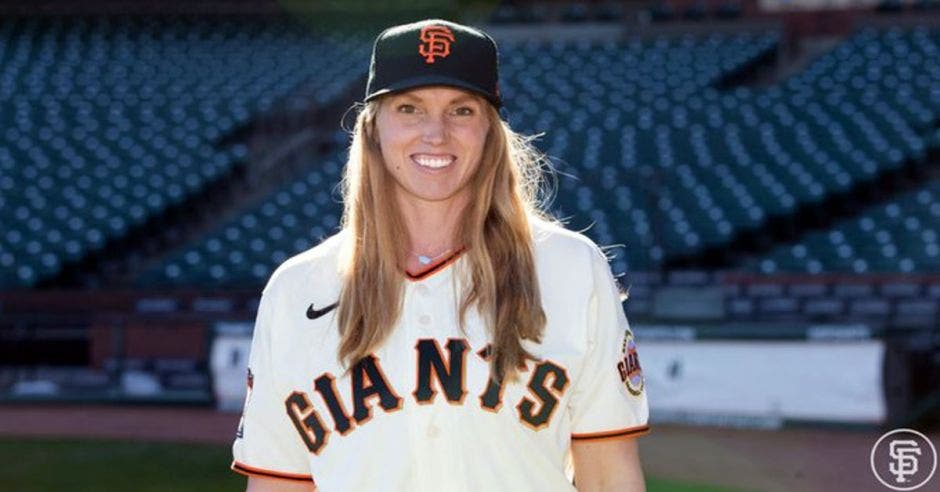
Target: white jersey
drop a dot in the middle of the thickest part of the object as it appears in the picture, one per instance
(421, 413)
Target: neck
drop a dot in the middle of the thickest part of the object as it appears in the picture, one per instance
(432, 226)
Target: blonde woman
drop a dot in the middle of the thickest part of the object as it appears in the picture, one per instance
(451, 336)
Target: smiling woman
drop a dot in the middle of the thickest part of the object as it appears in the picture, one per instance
(432, 143)
(475, 343)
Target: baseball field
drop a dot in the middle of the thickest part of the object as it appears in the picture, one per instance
(79, 465)
(105, 448)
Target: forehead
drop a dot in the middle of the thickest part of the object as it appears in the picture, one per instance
(438, 94)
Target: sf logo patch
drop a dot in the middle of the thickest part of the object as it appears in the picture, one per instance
(629, 367)
(435, 42)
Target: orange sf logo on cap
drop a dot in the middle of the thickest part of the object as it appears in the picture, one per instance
(435, 42)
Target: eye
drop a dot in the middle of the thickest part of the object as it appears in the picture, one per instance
(407, 108)
(464, 111)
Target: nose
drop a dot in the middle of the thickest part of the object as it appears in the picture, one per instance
(433, 131)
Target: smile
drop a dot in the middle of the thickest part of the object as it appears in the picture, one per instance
(433, 161)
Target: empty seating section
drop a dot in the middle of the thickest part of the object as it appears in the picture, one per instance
(578, 93)
(900, 236)
(105, 123)
(640, 127)
(886, 89)
(653, 156)
(246, 249)
(670, 165)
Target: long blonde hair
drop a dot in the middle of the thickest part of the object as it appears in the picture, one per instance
(495, 231)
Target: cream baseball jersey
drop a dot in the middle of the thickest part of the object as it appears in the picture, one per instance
(421, 413)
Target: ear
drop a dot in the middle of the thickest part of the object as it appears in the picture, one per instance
(371, 132)
(374, 134)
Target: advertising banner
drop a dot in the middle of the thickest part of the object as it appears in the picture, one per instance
(764, 380)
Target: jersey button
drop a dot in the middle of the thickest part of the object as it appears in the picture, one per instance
(424, 319)
(423, 290)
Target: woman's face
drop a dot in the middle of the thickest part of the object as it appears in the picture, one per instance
(432, 141)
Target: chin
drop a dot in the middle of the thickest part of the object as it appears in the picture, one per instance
(435, 196)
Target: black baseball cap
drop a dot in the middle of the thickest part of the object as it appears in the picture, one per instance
(434, 52)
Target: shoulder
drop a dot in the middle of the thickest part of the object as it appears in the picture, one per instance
(553, 240)
(298, 272)
(567, 256)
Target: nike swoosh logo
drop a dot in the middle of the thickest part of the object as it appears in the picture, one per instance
(313, 313)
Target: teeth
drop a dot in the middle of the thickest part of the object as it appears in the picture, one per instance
(433, 162)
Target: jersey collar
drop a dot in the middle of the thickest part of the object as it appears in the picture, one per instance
(438, 267)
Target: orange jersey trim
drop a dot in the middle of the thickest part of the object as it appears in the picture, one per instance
(613, 434)
(436, 267)
(249, 471)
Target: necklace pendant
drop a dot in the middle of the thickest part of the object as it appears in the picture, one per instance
(424, 260)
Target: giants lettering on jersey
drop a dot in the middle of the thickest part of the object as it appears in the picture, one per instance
(436, 373)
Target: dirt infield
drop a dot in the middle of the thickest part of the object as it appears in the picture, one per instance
(767, 460)
(790, 460)
(137, 423)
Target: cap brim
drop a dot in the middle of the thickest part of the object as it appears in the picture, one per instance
(428, 80)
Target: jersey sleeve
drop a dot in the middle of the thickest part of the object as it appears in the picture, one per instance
(609, 399)
(266, 443)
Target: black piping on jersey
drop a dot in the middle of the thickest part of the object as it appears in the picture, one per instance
(252, 471)
(613, 434)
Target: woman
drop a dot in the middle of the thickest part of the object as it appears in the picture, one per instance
(450, 337)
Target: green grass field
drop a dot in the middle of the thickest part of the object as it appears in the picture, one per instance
(101, 465)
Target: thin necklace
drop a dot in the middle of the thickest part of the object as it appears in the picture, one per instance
(425, 260)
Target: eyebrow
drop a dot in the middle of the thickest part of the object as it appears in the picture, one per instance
(456, 100)
(465, 97)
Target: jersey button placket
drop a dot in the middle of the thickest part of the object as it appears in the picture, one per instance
(424, 316)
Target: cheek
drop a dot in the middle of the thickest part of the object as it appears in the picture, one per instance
(481, 146)
(388, 156)
(390, 145)
(476, 139)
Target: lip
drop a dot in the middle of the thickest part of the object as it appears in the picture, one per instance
(433, 170)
